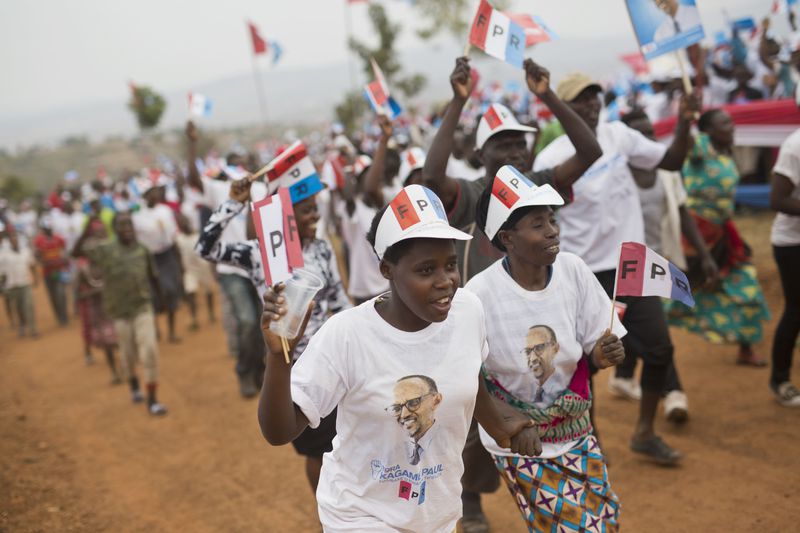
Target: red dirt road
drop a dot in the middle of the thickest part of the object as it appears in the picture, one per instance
(75, 455)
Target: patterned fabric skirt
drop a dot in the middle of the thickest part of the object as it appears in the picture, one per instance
(96, 328)
(734, 313)
(570, 493)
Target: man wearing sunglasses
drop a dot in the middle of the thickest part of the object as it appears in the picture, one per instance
(415, 401)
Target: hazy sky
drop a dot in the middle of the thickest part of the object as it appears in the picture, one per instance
(56, 53)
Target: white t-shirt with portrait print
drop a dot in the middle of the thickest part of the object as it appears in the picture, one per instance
(354, 362)
(786, 228)
(605, 209)
(573, 306)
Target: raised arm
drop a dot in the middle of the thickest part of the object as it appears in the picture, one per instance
(240, 254)
(587, 149)
(434, 172)
(193, 179)
(373, 181)
(682, 141)
(280, 419)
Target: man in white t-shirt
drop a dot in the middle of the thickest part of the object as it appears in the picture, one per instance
(415, 401)
(785, 198)
(541, 347)
(605, 211)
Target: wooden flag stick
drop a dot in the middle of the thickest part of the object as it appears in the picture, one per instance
(467, 48)
(263, 170)
(285, 344)
(687, 83)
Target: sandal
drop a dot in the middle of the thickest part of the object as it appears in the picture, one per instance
(657, 450)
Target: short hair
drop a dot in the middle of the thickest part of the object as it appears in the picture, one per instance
(117, 216)
(546, 327)
(428, 381)
(705, 120)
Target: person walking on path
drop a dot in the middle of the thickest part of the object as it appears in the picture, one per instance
(128, 271)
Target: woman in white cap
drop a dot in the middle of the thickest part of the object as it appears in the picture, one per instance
(318, 258)
(544, 312)
(403, 369)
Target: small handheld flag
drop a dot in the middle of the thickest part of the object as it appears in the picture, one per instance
(199, 105)
(377, 94)
(294, 170)
(278, 238)
(642, 272)
(496, 34)
(536, 31)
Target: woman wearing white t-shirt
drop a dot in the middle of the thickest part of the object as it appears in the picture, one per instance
(544, 312)
(403, 369)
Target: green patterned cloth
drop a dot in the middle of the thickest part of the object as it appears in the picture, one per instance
(736, 310)
(565, 420)
(125, 273)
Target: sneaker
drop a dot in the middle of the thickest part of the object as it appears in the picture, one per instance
(157, 409)
(787, 394)
(137, 396)
(657, 451)
(676, 407)
(625, 388)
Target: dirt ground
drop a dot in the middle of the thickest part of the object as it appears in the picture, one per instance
(76, 455)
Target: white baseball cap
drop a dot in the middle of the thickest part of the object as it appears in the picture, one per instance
(416, 212)
(410, 160)
(512, 190)
(496, 119)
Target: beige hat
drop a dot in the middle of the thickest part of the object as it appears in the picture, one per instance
(573, 84)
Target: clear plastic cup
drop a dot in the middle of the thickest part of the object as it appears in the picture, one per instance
(300, 290)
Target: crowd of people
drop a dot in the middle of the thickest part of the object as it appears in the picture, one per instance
(467, 266)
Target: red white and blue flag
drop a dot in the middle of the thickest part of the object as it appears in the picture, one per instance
(642, 272)
(496, 34)
(377, 94)
(278, 238)
(294, 170)
(199, 105)
(536, 30)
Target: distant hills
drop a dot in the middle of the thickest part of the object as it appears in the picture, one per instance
(300, 95)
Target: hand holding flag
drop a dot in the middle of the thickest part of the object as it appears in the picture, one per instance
(461, 79)
(608, 351)
(538, 78)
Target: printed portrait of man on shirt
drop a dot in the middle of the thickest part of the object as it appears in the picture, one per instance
(541, 347)
(681, 17)
(415, 401)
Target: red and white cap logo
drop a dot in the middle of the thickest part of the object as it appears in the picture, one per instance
(512, 190)
(496, 119)
(416, 212)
